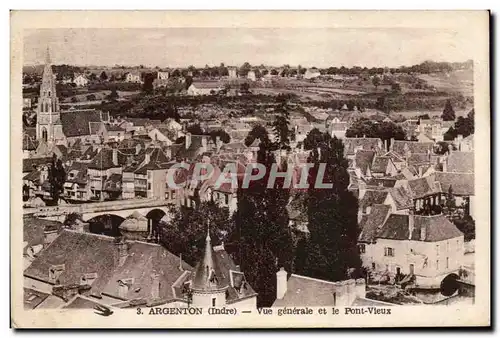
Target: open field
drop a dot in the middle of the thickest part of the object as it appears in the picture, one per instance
(458, 81)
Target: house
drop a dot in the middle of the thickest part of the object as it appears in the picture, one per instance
(108, 271)
(162, 75)
(233, 73)
(465, 144)
(311, 73)
(164, 135)
(77, 185)
(81, 80)
(251, 76)
(106, 163)
(353, 144)
(133, 77)
(422, 250)
(204, 88)
(293, 290)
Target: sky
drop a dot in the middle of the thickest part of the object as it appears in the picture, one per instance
(176, 47)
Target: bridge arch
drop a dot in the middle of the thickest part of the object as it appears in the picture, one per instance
(449, 284)
(154, 216)
(107, 224)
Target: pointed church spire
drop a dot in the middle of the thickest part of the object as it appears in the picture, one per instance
(208, 231)
(47, 56)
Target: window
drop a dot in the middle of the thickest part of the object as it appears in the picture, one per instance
(167, 195)
(447, 246)
(437, 249)
(149, 186)
(447, 262)
(213, 302)
(226, 197)
(362, 248)
(437, 264)
(389, 252)
(373, 266)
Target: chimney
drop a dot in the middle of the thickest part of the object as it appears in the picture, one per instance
(180, 262)
(411, 223)
(54, 272)
(281, 285)
(204, 144)
(392, 144)
(188, 140)
(155, 285)
(49, 234)
(115, 156)
(122, 248)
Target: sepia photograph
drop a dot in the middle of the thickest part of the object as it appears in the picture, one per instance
(216, 174)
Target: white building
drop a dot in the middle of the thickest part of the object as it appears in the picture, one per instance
(81, 81)
(163, 75)
(425, 248)
(133, 77)
(251, 76)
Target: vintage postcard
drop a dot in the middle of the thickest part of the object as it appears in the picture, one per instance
(231, 169)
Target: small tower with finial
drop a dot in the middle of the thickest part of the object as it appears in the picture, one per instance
(208, 284)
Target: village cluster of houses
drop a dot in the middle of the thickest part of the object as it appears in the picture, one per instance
(404, 190)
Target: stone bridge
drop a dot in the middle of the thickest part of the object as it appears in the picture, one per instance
(122, 208)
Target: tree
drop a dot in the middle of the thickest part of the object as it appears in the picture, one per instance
(224, 137)
(244, 69)
(103, 76)
(56, 178)
(261, 224)
(364, 127)
(257, 132)
(113, 95)
(332, 213)
(245, 88)
(450, 201)
(376, 81)
(396, 88)
(313, 139)
(467, 225)
(281, 123)
(448, 112)
(147, 87)
(186, 229)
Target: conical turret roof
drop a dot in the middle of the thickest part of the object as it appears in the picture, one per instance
(208, 275)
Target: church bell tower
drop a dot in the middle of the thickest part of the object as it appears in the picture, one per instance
(48, 122)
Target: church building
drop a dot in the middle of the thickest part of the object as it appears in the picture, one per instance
(55, 126)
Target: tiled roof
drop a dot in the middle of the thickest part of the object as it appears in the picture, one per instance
(89, 253)
(77, 122)
(306, 291)
(373, 222)
(421, 187)
(437, 228)
(400, 147)
(386, 182)
(380, 164)
(461, 162)
(32, 298)
(402, 198)
(104, 160)
(350, 143)
(30, 164)
(372, 197)
(418, 158)
(461, 183)
(33, 229)
(363, 159)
